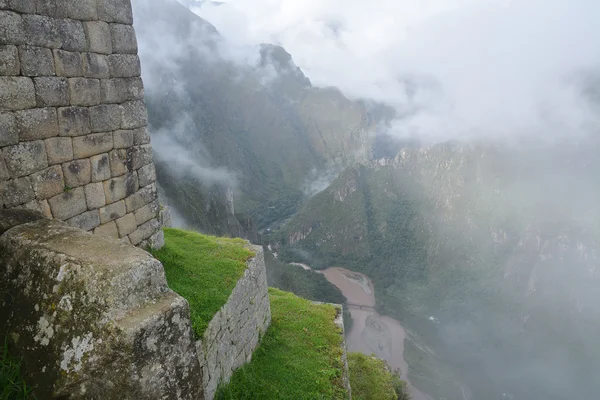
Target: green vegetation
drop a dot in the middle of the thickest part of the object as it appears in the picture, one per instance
(202, 269)
(298, 358)
(12, 385)
(372, 379)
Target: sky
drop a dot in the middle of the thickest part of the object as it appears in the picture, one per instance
(451, 68)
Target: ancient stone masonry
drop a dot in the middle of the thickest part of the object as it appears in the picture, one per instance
(234, 332)
(74, 142)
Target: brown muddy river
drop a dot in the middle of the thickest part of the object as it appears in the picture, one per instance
(371, 332)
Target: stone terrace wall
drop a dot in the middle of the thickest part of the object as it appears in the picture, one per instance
(234, 332)
(73, 138)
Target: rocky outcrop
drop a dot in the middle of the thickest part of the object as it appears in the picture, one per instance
(93, 317)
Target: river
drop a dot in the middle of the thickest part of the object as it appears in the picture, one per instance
(371, 332)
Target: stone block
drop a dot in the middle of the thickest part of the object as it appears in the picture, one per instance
(42, 31)
(120, 187)
(68, 64)
(21, 6)
(86, 221)
(36, 61)
(139, 156)
(90, 145)
(84, 91)
(110, 230)
(94, 195)
(16, 93)
(98, 37)
(44, 208)
(17, 191)
(9, 133)
(74, 121)
(126, 225)
(68, 204)
(34, 205)
(146, 213)
(123, 39)
(156, 241)
(134, 115)
(84, 10)
(77, 173)
(48, 183)
(144, 231)
(4, 175)
(9, 60)
(37, 123)
(71, 34)
(120, 90)
(141, 136)
(105, 117)
(51, 8)
(95, 66)
(51, 92)
(25, 158)
(124, 65)
(146, 175)
(12, 30)
(115, 11)
(100, 168)
(118, 162)
(59, 150)
(112, 212)
(121, 139)
(141, 198)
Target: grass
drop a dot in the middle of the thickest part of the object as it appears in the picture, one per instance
(372, 379)
(12, 385)
(298, 358)
(202, 269)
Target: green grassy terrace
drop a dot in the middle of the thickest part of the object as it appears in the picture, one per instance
(371, 379)
(298, 358)
(202, 269)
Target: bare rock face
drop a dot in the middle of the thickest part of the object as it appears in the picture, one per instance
(93, 317)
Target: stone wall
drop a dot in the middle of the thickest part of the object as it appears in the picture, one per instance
(235, 331)
(73, 138)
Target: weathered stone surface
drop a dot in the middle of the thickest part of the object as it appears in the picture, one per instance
(134, 115)
(11, 218)
(121, 139)
(118, 162)
(94, 195)
(115, 11)
(123, 39)
(100, 167)
(112, 212)
(146, 175)
(21, 6)
(84, 91)
(129, 323)
(68, 64)
(90, 145)
(59, 150)
(36, 61)
(95, 66)
(48, 183)
(4, 175)
(126, 225)
(124, 65)
(146, 213)
(44, 207)
(98, 37)
(51, 8)
(8, 129)
(141, 198)
(71, 34)
(109, 230)
(77, 173)
(16, 93)
(51, 92)
(86, 221)
(141, 136)
(119, 90)
(37, 123)
(84, 10)
(74, 121)
(164, 216)
(139, 156)
(42, 31)
(11, 28)
(118, 188)
(144, 231)
(105, 117)
(9, 60)
(25, 158)
(68, 204)
(17, 191)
